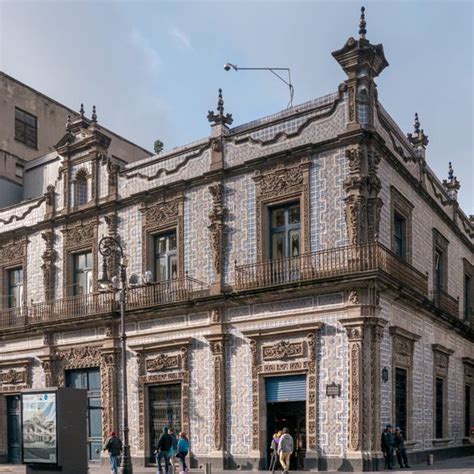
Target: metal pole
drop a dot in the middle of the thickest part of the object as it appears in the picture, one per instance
(126, 464)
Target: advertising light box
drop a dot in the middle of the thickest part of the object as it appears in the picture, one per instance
(39, 423)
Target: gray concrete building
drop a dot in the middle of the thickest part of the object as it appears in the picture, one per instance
(305, 269)
(31, 125)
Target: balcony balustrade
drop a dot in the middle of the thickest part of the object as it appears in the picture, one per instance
(332, 263)
(90, 304)
(445, 302)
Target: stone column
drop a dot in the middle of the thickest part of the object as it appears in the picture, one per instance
(364, 336)
(217, 344)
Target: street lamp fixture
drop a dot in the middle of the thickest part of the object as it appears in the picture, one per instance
(229, 66)
(110, 247)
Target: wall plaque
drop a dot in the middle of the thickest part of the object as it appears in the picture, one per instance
(333, 390)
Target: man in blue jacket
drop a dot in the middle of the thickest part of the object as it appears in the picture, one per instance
(163, 450)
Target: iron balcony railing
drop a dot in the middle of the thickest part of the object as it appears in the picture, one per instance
(335, 262)
(73, 307)
(445, 302)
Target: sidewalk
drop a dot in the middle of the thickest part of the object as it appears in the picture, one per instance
(464, 465)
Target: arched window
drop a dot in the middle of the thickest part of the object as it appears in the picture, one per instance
(81, 187)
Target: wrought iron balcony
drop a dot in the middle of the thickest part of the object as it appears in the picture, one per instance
(332, 263)
(81, 306)
(445, 302)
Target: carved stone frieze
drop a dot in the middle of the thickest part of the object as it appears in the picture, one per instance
(15, 375)
(283, 350)
(162, 362)
(441, 356)
(162, 212)
(280, 180)
(12, 251)
(80, 234)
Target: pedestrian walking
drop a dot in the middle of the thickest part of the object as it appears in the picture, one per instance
(285, 449)
(388, 445)
(113, 445)
(400, 448)
(274, 450)
(163, 449)
(182, 450)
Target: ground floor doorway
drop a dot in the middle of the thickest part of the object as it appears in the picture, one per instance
(286, 407)
(13, 429)
(90, 380)
(164, 409)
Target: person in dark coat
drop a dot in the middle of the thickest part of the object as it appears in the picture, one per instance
(388, 445)
(113, 445)
(164, 449)
(400, 448)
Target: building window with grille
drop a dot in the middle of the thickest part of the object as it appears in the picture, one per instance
(26, 128)
(399, 235)
(166, 260)
(439, 407)
(438, 280)
(15, 287)
(467, 411)
(401, 399)
(285, 231)
(82, 273)
(467, 296)
(81, 188)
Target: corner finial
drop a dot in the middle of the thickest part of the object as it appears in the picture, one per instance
(68, 122)
(416, 124)
(362, 24)
(94, 114)
(450, 172)
(81, 111)
(220, 117)
(452, 184)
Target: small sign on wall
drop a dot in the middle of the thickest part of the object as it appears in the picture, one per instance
(333, 390)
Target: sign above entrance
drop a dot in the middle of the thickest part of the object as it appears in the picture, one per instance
(333, 390)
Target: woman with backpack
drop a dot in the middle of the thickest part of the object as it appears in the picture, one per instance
(183, 449)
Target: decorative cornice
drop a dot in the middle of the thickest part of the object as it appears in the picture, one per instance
(398, 331)
(442, 349)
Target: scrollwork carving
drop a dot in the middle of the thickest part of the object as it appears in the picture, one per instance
(283, 350)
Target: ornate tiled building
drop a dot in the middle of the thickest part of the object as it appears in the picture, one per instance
(306, 269)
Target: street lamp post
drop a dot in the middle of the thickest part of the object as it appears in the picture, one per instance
(109, 246)
(229, 66)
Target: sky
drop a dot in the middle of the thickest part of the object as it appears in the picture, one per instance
(153, 68)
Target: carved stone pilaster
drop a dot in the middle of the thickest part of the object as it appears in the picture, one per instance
(217, 345)
(364, 336)
(362, 204)
(217, 233)
(49, 257)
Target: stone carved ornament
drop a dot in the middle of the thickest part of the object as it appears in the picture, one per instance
(80, 234)
(162, 362)
(162, 212)
(49, 257)
(12, 251)
(13, 377)
(280, 180)
(217, 226)
(283, 350)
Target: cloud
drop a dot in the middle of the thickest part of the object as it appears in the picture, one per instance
(151, 55)
(181, 38)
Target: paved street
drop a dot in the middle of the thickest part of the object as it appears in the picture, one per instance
(463, 465)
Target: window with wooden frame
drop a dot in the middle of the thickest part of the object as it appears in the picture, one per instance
(440, 263)
(282, 211)
(82, 267)
(81, 188)
(163, 237)
(403, 346)
(468, 395)
(441, 356)
(401, 225)
(26, 128)
(13, 260)
(165, 256)
(468, 290)
(15, 287)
